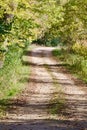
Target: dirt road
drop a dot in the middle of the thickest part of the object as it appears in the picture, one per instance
(52, 100)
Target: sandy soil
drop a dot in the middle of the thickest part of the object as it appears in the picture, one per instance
(48, 85)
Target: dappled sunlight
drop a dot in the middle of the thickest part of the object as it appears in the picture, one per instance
(52, 99)
(43, 64)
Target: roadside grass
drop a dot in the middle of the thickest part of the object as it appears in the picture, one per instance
(57, 102)
(10, 75)
(76, 63)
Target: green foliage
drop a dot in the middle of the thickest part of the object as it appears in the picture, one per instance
(22, 20)
(49, 19)
(80, 49)
(78, 65)
(72, 31)
(76, 62)
(57, 52)
(69, 22)
(8, 74)
(12, 72)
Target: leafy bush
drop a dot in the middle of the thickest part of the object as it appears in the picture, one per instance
(57, 52)
(49, 41)
(80, 49)
(53, 42)
(78, 64)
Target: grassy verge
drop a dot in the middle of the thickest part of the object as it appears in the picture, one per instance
(76, 62)
(11, 76)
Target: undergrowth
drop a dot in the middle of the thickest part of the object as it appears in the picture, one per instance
(75, 59)
(10, 75)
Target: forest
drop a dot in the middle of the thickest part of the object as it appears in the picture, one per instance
(61, 24)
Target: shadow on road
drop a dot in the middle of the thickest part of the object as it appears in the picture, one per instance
(43, 125)
(22, 107)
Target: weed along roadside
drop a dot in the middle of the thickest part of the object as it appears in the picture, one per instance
(12, 76)
(75, 62)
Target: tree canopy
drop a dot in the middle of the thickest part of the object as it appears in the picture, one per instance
(28, 20)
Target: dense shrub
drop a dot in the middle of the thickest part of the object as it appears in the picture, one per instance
(80, 49)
